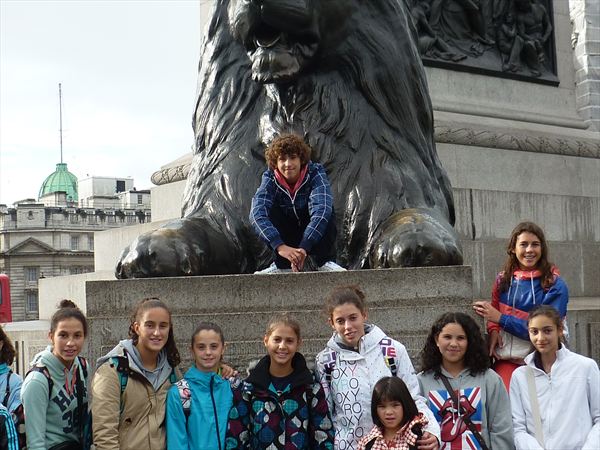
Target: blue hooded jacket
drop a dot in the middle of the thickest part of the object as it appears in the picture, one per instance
(201, 430)
(14, 388)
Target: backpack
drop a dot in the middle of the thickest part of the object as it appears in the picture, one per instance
(185, 395)
(84, 415)
(18, 415)
(387, 349)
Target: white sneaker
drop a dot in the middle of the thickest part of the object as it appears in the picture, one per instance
(330, 266)
(272, 269)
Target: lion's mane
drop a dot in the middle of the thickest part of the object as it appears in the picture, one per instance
(362, 105)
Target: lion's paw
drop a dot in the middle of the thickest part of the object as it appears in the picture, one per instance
(414, 238)
(181, 248)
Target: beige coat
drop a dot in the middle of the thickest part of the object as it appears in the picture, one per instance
(141, 426)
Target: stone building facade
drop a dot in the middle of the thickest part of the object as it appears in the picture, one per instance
(41, 241)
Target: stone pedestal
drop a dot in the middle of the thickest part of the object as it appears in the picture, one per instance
(403, 302)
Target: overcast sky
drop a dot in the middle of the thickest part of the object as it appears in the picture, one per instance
(128, 74)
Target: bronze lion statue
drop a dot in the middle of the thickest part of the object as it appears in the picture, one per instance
(347, 76)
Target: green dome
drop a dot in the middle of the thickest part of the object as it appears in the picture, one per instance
(60, 181)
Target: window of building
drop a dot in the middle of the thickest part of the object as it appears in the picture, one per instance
(32, 274)
(74, 242)
(111, 219)
(91, 242)
(31, 301)
(140, 199)
(120, 185)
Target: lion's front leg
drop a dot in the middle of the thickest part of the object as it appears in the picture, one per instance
(416, 237)
(184, 247)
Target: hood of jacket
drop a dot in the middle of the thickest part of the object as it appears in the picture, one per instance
(366, 344)
(260, 376)
(202, 379)
(126, 349)
(58, 371)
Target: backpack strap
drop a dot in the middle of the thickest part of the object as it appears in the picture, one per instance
(185, 395)
(7, 392)
(44, 371)
(329, 365)
(370, 444)
(467, 420)
(173, 376)
(84, 366)
(121, 365)
(389, 354)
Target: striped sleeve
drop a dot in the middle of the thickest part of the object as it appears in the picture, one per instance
(8, 433)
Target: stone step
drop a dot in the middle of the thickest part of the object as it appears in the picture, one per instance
(403, 302)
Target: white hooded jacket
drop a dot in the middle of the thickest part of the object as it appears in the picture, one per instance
(348, 378)
(569, 403)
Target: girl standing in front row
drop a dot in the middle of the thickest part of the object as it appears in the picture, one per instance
(131, 383)
(555, 397)
(398, 423)
(357, 356)
(280, 405)
(54, 392)
(468, 399)
(198, 405)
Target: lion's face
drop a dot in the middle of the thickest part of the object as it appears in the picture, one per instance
(280, 36)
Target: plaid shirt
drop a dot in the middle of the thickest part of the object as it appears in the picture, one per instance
(313, 199)
(405, 439)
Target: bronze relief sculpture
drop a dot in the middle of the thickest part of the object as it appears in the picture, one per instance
(347, 76)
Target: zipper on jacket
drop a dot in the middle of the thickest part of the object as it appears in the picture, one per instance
(293, 199)
(212, 398)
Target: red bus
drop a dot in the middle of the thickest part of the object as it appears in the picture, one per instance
(5, 311)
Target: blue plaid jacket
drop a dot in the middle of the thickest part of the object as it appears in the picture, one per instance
(314, 199)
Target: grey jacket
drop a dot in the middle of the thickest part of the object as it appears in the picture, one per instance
(485, 401)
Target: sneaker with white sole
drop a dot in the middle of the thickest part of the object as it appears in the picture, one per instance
(272, 269)
(330, 266)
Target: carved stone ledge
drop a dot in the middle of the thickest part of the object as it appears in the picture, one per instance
(530, 142)
(463, 135)
(171, 174)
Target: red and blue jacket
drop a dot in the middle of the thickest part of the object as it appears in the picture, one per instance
(524, 293)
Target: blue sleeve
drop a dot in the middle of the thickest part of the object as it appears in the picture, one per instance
(515, 326)
(320, 205)
(557, 296)
(177, 438)
(262, 202)
(14, 399)
(34, 396)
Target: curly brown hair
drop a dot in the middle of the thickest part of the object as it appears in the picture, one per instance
(512, 263)
(476, 360)
(287, 144)
(139, 309)
(7, 353)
